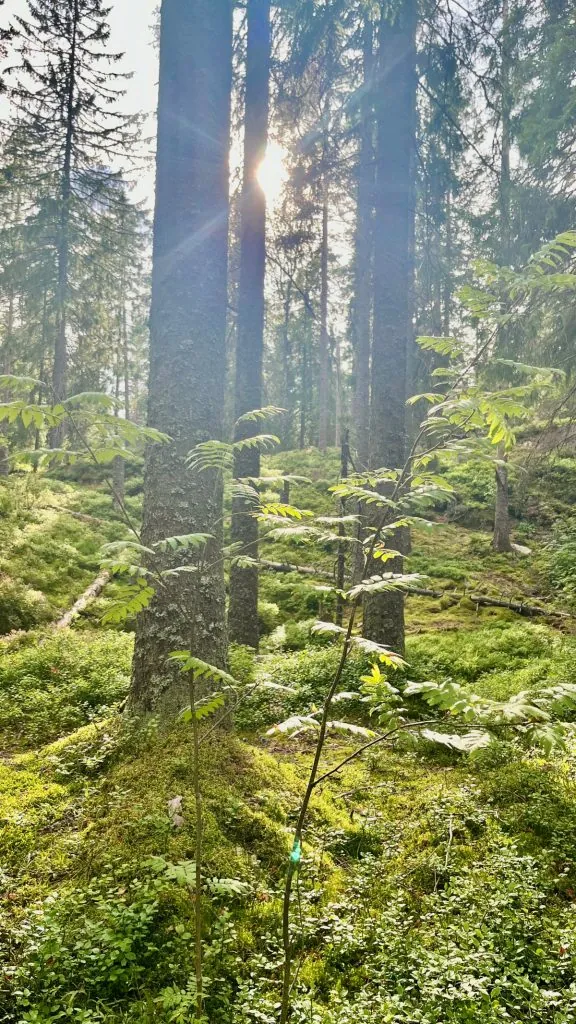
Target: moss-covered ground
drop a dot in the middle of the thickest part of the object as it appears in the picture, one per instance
(435, 888)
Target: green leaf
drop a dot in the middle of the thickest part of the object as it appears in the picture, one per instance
(202, 669)
(277, 508)
(184, 541)
(383, 584)
(132, 600)
(260, 442)
(204, 709)
(442, 346)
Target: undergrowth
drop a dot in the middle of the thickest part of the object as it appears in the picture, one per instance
(435, 888)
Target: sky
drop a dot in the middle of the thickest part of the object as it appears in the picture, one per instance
(131, 23)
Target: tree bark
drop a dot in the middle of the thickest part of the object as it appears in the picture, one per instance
(243, 610)
(393, 277)
(324, 384)
(501, 539)
(362, 309)
(122, 375)
(188, 340)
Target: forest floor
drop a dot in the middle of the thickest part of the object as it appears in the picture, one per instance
(436, 888)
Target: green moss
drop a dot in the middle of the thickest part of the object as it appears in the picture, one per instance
(55, 681)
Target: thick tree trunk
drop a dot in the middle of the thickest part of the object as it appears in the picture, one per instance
(362, 309)
(188, 339)
(243, 610)
(324, 383)
(393, 278)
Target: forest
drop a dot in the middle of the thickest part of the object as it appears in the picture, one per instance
(287, 525)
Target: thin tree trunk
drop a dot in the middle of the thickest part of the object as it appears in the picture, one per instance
(303, 395)
(362, 308)
(188, 341)
(339, 402)
(501, 539)
(118, 480)
(447, 290)
(341, 563)
(60, 368)
(393, 278)
(6, 368)
(324, 385)
(243, 610)
(8, 346)
(122, 372)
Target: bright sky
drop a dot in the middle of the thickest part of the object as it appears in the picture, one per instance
(131, 22)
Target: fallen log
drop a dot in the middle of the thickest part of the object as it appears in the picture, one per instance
(303, 570)
(481, 600)
(89, 595)
(82, 516)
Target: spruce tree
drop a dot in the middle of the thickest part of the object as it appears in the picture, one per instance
(188, 334)
(68, 89)
(393, 274)
(243, 612)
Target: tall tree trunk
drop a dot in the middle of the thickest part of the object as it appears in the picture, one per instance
(60, 367)
(243, 610)
(118, 480)
(324, 384)
(393, 277)
(448, 255)
(7, 348)
(339, 403)
(362, 309)
(122, 374)
(501, 539)
(6, 367)
(188, 339)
